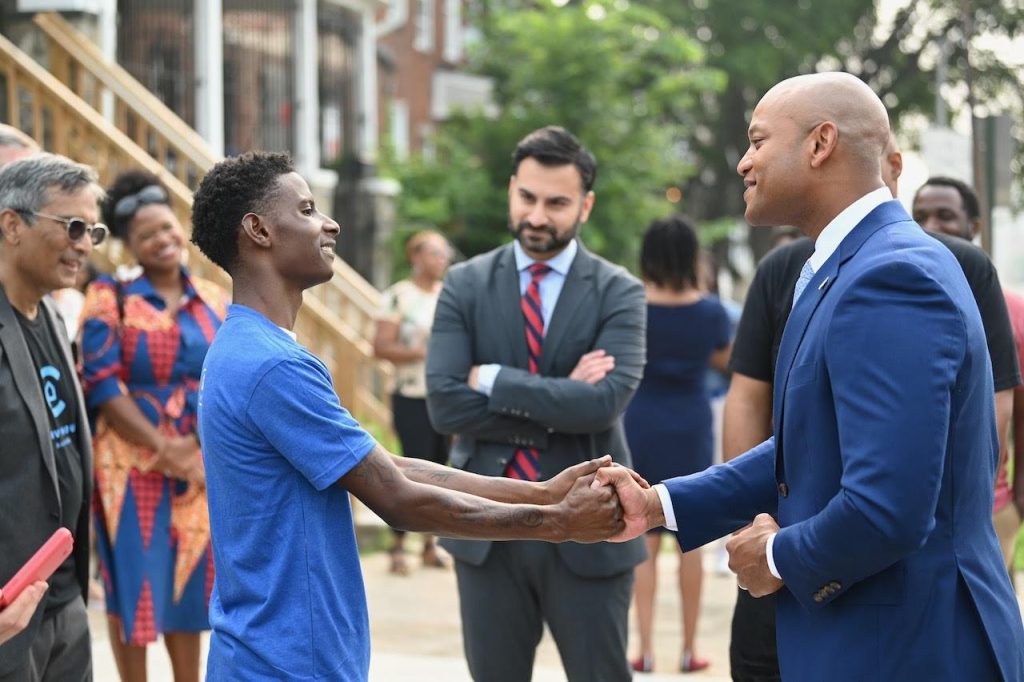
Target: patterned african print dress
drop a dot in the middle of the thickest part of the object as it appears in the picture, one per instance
(153, 532)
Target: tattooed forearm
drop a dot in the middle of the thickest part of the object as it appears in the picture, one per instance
(471, 518)
(497, 488)
(424, 497)
(528, 518)
(423, 472)
(371, 470)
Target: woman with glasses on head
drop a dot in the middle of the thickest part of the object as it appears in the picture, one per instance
(403, 328)
(143, 345)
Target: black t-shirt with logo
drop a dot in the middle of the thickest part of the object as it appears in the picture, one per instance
(58, 388)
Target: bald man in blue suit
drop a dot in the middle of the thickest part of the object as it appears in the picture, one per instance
(871, 508)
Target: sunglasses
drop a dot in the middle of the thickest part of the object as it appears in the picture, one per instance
(76, 227)
(150, 194)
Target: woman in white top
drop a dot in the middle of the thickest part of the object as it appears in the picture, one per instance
(403, 328)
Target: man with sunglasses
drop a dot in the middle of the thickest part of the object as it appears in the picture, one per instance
(48, 212)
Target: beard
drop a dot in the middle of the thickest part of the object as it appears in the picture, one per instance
(543, 238)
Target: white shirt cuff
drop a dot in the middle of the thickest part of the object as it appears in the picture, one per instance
(666, 506)
(771, 556)
(485, 378)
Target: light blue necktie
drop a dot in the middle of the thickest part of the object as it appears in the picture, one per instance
(806, 275)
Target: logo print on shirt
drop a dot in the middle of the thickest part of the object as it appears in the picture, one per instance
(50, 376)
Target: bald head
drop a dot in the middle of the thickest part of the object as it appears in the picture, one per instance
(843, 99)
(815, 145)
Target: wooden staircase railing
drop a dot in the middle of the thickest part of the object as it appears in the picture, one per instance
(60, 110)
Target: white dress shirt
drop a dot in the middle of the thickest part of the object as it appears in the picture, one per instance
(824, 246)
(550, 289)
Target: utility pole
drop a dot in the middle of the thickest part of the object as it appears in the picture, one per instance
(941, 68)
(977, 166)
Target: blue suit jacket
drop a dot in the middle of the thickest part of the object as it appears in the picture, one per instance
(880, 474)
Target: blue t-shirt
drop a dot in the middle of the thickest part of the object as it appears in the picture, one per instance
(288, 601)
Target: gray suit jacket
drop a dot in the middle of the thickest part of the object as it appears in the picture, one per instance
(479, 321)
(30, 504)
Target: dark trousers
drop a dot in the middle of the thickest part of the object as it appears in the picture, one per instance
(752, 653)
(416, 434)
(61, 650)
(506, 601)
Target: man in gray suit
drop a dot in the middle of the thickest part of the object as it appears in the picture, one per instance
(48, 212)
(535, 351)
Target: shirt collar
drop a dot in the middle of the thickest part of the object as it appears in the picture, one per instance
(835, 232)
(560, 263)
(142, 286)
(240, 309)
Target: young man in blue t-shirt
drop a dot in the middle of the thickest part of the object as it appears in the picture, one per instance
(282, 454)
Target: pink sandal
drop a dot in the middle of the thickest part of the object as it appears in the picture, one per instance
(691, 664)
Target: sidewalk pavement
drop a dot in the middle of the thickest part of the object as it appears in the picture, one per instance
(414, 624)
(416, 636)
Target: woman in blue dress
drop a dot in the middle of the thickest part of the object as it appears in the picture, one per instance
(143, 345)
(668, 422)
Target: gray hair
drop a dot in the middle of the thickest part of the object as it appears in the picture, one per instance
(12, 137)
(26, 184)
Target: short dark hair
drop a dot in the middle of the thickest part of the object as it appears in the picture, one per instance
(556, 146)
(234, 187)
(125, 185)
(668, 255)
(967, 195)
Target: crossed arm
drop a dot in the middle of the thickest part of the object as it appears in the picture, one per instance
(455, 407)
(601, 384)
(527, 406)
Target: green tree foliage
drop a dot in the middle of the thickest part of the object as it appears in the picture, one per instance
(660, 112)
(758, 44)
(621, 77)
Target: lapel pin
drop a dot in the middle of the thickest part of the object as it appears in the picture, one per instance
(824, 283)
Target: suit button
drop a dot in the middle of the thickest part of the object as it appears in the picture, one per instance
(55, 515)
(783, 490)
(551, 429)
(526, 414)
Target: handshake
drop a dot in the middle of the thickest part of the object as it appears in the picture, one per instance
(604, 501)
(599, 500)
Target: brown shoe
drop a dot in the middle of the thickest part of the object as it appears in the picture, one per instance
(433, 558)
(398, 563)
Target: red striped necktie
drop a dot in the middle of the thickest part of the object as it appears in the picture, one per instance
(525, 464)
